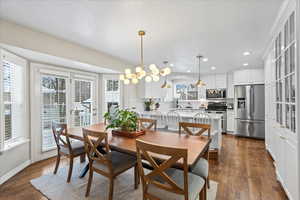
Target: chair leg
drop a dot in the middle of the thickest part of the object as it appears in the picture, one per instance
(202, 193)
(91, 173)
(207, 180)
(82, 158)
(136, 177)
(57, 163)
(205, 190)
(111, 189)
(70, 170)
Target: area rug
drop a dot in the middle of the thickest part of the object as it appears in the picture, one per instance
(55, 187)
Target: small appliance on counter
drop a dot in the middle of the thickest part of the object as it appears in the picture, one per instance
(216, 93)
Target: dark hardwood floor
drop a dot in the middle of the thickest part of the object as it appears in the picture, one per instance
(244, 172)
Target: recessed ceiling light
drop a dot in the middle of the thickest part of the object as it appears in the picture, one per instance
(213, 68)
(245, 64)
(204, 59)
(188, 71)
(172, 65)
(246, 53)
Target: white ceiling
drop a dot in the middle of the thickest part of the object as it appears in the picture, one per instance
(177, 30)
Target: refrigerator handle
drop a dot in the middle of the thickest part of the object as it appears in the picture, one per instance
(252, 103)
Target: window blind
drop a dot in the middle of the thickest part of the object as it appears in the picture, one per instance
(53, 107)
(14, 101)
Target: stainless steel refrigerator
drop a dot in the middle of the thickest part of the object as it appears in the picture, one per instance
(250, 110)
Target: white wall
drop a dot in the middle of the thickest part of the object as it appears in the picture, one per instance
(15, 159)
(23, 37)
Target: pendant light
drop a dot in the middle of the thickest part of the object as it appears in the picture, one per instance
(166, 84)
(153, 74)
(199, 83)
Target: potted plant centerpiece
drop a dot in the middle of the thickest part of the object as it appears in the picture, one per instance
(123, 123)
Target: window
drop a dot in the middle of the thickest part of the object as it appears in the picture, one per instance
(53, 107)
(13, 99)
(285, 61)
(112, 93)
(82, 103)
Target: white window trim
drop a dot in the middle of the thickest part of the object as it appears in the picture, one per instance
(6, 146)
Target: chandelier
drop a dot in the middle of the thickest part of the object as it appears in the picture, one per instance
(165, 84)
(200, 83)
(151, 74)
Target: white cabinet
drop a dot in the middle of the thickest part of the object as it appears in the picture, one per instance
(248, 76)
(230, 86)
(230, 120)
(154, 90)
(280, 105)
(214, 81)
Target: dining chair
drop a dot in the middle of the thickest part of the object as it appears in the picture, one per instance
(160, 118)
(173, 118)
(110, 164)
(201, 118)
(66, 148)
(165, 182)
(201, 168)
(147, 124)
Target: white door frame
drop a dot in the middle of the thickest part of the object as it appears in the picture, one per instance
(36, 70)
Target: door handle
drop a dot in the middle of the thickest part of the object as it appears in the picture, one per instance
(284, 138)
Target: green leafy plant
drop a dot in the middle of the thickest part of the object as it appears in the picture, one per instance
(123, 119)
(148, 104)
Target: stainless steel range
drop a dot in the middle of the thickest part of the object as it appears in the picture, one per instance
(219, 108)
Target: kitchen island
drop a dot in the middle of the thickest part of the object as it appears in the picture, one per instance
(187, 116)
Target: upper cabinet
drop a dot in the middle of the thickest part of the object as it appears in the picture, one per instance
(248, 76)
(230, 86)
(154, 90)
(214, 81)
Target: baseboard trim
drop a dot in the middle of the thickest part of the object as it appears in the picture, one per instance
(14, 171)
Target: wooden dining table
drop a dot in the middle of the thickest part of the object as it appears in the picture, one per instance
(197, 146)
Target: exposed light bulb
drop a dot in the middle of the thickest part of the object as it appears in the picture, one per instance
(152, 67)
(126, 81)
(122, 77)
(138, 69)
(245, 64)
(155, 78)
(134, 81)
(155, 71)
(246, 53)
(127, 71)
(148, 79)
(142, 73)
(204, 59)
(167, 70)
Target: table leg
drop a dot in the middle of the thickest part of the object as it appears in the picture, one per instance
(86, 168)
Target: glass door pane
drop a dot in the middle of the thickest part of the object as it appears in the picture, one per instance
(53, 107)
(82, 103)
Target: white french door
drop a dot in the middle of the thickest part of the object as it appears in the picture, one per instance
(83, 102)
(54, 106)
(66, 96)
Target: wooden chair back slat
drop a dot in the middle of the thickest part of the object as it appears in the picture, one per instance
(147, 151)
(92, 140)
(147, 124)
(187, 125)
(60, 133)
